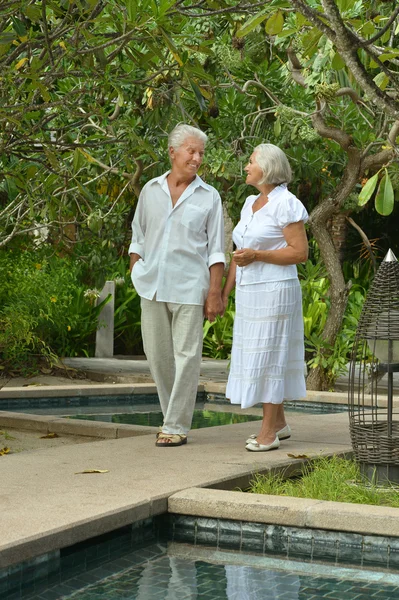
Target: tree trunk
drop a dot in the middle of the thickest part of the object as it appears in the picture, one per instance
(318, 378)
(339, 225)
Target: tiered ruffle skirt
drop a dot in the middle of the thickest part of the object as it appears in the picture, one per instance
(267, 359)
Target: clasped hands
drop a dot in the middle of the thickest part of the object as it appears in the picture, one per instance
(244, 257)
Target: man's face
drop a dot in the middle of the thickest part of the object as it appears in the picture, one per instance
(187, 159)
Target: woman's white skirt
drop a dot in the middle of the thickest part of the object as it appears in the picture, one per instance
(267, 358)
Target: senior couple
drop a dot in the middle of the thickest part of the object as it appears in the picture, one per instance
(177, 264)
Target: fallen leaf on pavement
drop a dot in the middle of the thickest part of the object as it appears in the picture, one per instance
(49, 436)
(4, 450)
(92, 471)
(31, 384)
(298, 455)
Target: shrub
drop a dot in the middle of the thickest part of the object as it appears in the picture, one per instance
(43, 310)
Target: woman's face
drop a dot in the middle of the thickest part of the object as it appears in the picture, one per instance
(253, 171)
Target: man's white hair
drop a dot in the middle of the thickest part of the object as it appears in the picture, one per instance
(181, 132)
(274, 164)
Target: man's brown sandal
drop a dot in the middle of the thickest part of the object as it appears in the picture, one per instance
(174, 439)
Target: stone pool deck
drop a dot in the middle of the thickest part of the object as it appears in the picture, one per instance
(47, 503)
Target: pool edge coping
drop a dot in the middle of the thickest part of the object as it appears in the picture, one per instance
(132, 388)
(363, 519)
(52, 424)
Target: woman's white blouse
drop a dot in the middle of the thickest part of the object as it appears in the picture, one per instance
(263, 230)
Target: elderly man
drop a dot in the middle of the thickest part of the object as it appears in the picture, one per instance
(177, 263)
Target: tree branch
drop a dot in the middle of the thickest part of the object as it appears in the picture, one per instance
(366, 241)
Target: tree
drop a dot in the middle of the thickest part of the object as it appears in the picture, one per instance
(86, 90)
(343, 57)
(89, 89)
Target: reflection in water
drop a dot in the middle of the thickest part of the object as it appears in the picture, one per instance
(173, 578)
(247, 583)
(201, 418)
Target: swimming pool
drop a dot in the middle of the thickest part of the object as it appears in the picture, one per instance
(143, 563)
(154, 418)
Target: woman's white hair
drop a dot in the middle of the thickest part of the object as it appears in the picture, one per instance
(181, 132)
(274, 164)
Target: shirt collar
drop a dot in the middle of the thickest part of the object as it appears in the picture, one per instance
(197, 182)
(278, 189)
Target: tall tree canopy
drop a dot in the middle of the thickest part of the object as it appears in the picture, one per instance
(89, 89)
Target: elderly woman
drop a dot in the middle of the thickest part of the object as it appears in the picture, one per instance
(267, 360)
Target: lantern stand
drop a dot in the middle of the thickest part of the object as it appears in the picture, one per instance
(373, 427)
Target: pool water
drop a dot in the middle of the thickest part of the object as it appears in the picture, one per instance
(176, 578)
(175, 571)
(201, 418)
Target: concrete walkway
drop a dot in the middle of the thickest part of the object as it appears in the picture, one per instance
(46, 503)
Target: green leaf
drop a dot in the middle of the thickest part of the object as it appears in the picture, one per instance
(172, 48)
(18, 26)
(33, 12)
(285, 33)
(301, 20)
(164, 6)
(7, 37)
(252, 23)
(385, 197)
(198, 71)
(337, 62)
(345, 5)
(95, 222)
(275, 23)
(198, 95)
(310, 42)
(52, 158)
(388, 56)
(31, 171)
(131, 7)
(78, 160)
(43, 91)
(368, 28)
(368, 190)
(381, 80)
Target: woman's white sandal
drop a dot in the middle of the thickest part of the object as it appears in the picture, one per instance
(254, 446)
(283, 434)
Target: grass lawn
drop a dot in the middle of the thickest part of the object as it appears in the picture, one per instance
(336, 479)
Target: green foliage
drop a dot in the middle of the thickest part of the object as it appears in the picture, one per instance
(218, 336)
(88, 93)
(127, 315)
(335, 479)
(44, 311)
(333, 358)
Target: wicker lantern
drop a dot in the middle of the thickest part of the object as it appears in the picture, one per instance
(373, 417)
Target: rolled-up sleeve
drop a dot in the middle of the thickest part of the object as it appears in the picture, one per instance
(138, 229)
(215, 229)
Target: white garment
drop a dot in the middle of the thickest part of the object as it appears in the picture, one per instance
(263, 230)
(267, 358)
(177, 244)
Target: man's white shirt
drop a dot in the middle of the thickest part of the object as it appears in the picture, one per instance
(177, 244)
